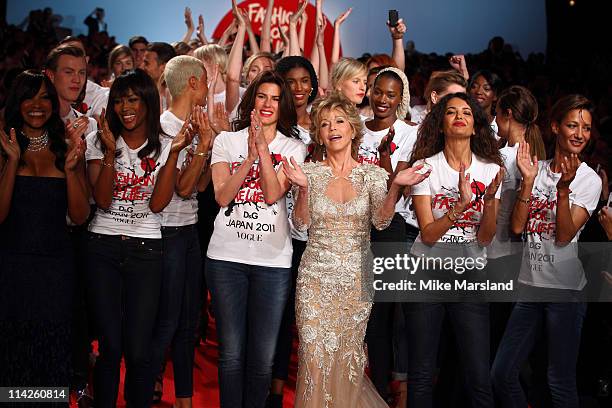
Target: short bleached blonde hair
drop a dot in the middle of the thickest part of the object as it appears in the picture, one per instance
(178, 71)
(247, 64)
(345, 69)
(213, 54)
(336, 100)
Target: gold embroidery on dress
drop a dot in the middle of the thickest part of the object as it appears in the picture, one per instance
(332, 310)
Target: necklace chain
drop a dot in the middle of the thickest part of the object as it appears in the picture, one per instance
(38, 143)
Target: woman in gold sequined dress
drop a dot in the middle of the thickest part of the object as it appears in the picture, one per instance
(337, 201)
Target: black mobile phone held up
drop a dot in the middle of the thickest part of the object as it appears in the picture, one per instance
(393, 18)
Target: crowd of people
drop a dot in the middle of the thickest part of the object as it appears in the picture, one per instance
(140, 180)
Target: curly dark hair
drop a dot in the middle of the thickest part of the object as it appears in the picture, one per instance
(142, 85)
(287, 116)
(288, 63)
(25, 86)
(431, 138)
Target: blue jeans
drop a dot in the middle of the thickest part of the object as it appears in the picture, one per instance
(248, 302)
(123, 282)
(179, 306)
(470, 322)
(563, 325)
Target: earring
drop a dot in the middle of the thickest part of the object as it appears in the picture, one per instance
(311, 91)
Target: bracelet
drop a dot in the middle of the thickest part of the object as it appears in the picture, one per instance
(454, 215)
(105, 164)
(525, 201)
(202, 154)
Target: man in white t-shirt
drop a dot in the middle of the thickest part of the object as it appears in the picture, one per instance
(182, 259)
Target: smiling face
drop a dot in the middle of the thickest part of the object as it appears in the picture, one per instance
(484, 94)
(37, 110)
(131, 110)
(69, 77)
(574, 131)
(452, 88)
(260, 64)
(299, 82)
(385, 97)
(458, 119)
(122, 63)
(267, 100)
(354, 88)
(335, 130)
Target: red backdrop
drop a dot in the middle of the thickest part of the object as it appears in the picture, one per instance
(282, 10)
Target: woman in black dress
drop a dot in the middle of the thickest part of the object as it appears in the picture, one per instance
(41, 180)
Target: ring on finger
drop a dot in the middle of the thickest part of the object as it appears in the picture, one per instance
(75, 125)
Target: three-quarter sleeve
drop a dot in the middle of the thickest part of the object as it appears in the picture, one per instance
(299, 223)
(375, 181)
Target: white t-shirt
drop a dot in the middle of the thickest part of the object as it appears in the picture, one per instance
(249, 231)
(129, 213)
(501, 244)
(295, 234)
(441, 186)
(544, 263)
(401, 148)
(96, 98)
(180, 211)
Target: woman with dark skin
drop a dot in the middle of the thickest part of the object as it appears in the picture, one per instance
(133, 177)
(41, 180)
(485, 86)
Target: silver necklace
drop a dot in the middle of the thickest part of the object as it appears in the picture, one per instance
(38, 143)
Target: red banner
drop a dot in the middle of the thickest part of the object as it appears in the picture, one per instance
(283, 9)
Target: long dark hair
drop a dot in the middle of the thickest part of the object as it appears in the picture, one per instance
(25, 86)
(142, 85)
(288, 63)
(287, 116)
(430, 136)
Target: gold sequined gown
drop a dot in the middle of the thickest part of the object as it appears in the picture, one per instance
(331, 309)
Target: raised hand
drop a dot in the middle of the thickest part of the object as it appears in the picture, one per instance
(183, 137)
(342, 17)
(295, 17)
(76, 129)
(238, 15)
(104, 134)
(201, 124)
(253, 153)
(200, 29)
(398, 31)
(75, 155)
(188, 19)
(9, 144)
(568, 170)
(386, 145)
(458, 63)
(256, 129)
(465, 189)
(411, 176)
(494, 185)
(220, 119)
(527, 165)
(320, 35)
(605, 219)
(294, 173)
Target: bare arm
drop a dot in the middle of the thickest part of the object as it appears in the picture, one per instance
(200, 31)
(78, 196)
(234, 66)
(528, 167)
(302, 36)
(335, 55)
(8, 171)
(266, 28)
(101, 173)
(323, 68)
(193, 176)
(397, 36)
(274, 185)
(189, 24)
(301, 213)
(294, 40)
(488, 221)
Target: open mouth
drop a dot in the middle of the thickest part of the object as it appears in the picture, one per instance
(382, 108)
(36, 114)
(299, 97)
(576, 143)
(335, 138)
(266, 113)
(128, 118)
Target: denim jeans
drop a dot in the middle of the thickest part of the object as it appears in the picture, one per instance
(470, 323)
(124, 281)
(248, 302)
(563, 325)
(179, 306)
